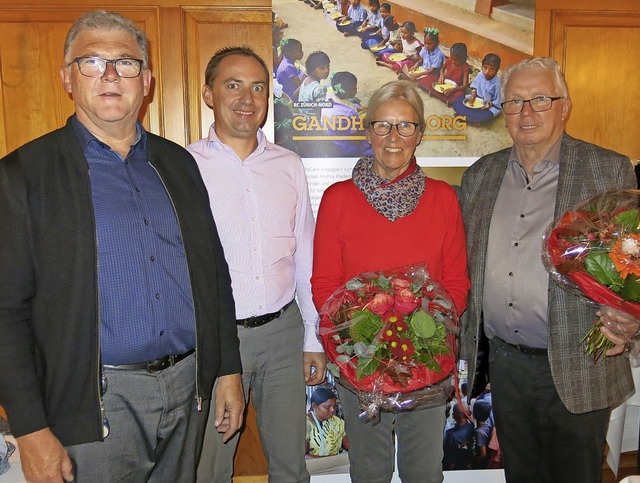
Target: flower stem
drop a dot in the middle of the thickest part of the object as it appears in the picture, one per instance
(595, 343)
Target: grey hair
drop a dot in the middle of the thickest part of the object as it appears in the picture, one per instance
(400, 89)
(102, 20)
(541, 63)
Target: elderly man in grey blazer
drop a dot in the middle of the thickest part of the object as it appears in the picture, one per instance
(551, 402)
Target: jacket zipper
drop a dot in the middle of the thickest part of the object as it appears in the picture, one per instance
(198, 396)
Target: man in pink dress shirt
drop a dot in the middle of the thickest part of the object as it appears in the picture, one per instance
(260, 201)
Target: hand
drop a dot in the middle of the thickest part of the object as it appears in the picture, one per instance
(618, 327)
(43, 458)
(317, 360)
(229, 405)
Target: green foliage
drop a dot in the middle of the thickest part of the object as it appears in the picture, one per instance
(631, 288)
(366, 367)
(366, 327)
(601, 267)
(422, 324)
(628, 220)
(382, 282)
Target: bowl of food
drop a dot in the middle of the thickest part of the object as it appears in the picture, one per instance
(445, 86)
(398, 57)
(478, 103)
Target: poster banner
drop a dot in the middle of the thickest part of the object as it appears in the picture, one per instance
(323, 117)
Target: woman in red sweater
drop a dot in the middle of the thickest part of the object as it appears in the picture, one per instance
(387, 216)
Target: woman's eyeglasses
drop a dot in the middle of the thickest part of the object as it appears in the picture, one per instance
(404, 128)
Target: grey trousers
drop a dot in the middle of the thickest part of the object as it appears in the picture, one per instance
(273, 372)
(372, 449)
(155, 428)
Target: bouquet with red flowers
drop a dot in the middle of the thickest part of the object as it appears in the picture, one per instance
(392, 336)
(593, 250)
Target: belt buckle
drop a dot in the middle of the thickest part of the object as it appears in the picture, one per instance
(160, 364)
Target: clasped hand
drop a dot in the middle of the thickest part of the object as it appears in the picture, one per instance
(619, 327)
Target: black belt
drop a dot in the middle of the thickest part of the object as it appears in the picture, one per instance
(258, 320)
(154, 366)
(531, 351)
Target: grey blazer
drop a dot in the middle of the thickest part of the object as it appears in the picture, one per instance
(585, 169)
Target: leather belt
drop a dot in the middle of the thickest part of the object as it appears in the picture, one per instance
(153, 366)
(258, 320)
(531, 351)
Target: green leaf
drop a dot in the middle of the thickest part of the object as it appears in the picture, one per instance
(366, 327)
(628, 220)
(366, 367)
(434, 366)
(631, 288)
(423, 324)
(354, 284)
(382, 282)
(600, 266)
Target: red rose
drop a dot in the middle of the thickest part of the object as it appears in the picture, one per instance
(400, 283)
(406, 301)
(381, 304)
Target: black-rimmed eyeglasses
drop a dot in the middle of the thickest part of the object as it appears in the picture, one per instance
(97, 66)
(404, 128)
(537, 104)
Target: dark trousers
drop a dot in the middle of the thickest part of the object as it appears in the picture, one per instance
(541, 441)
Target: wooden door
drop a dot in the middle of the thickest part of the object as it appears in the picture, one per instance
(596, 44)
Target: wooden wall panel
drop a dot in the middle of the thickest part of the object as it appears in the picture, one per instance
(209, 31)
(596, 45)
(182, 38)
(32, 100)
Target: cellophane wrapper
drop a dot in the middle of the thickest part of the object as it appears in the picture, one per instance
(391, 336)
(593, 250)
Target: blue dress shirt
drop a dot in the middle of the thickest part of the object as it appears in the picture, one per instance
(145, 298)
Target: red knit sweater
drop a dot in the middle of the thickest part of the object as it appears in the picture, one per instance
(351, 238)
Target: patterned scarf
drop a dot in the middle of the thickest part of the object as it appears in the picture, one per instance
(392, 199)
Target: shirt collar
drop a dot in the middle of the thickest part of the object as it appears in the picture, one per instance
(214, 142)
(85, 136)
(552, 157)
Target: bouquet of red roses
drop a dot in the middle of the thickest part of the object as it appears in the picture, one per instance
(392, 336)
(593, 250)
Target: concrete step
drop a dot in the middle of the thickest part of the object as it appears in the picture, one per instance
(511, 39)
(518, 15)
(529, 3)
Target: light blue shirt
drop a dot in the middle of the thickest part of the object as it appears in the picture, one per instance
(488, 90)
(433, 59)
(357, 14)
